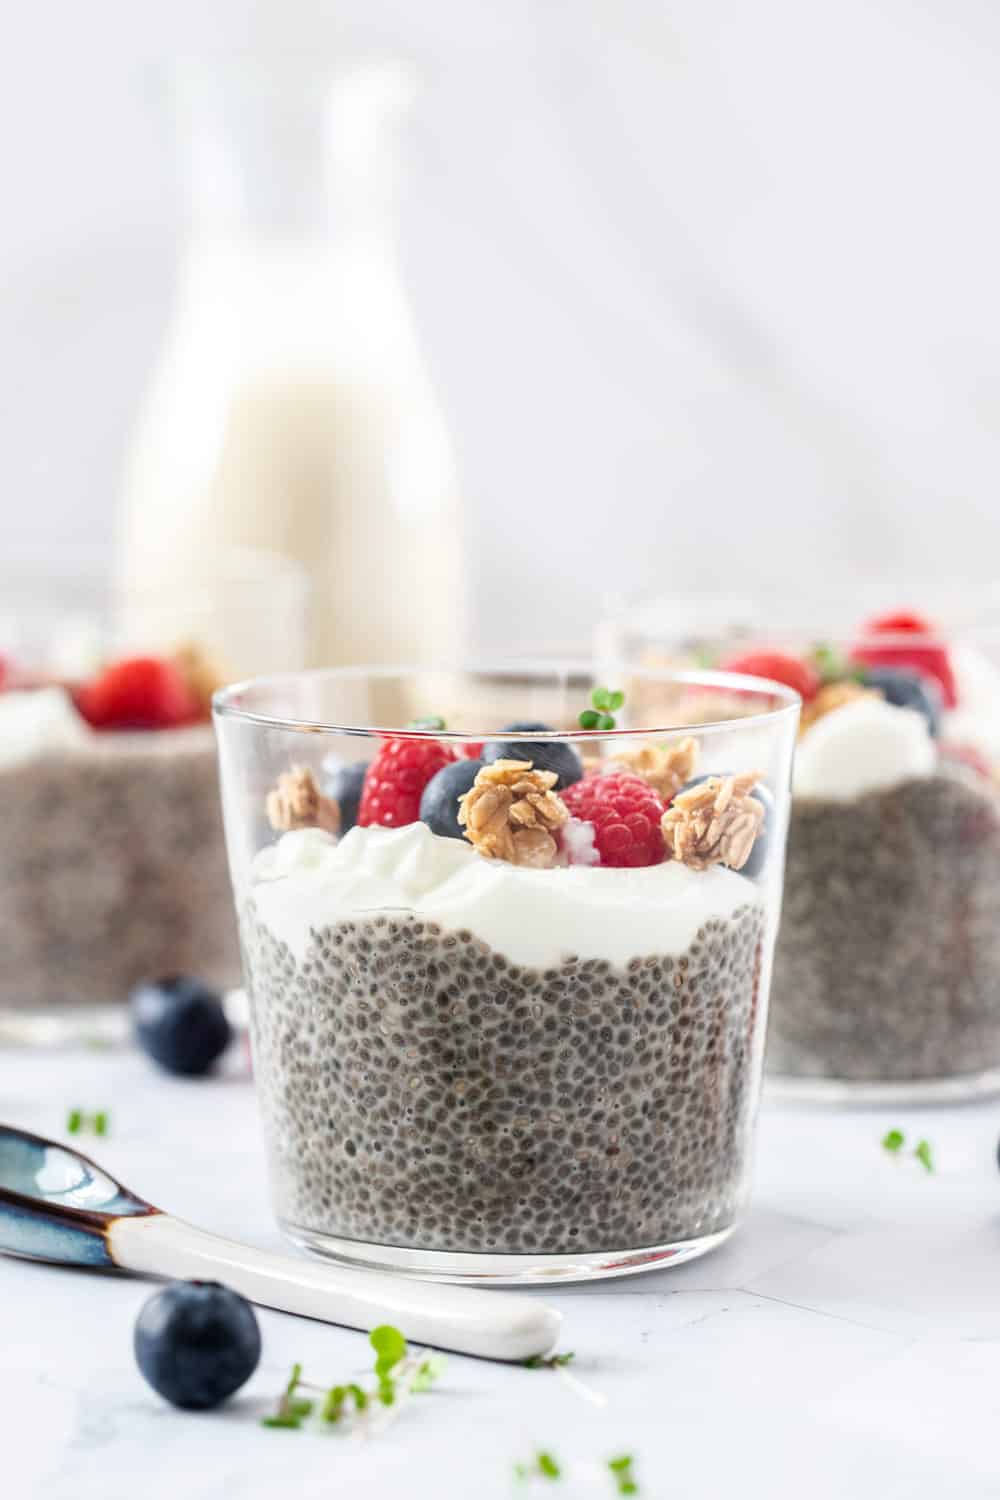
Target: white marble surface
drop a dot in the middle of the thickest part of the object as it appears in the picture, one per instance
(846, 1343)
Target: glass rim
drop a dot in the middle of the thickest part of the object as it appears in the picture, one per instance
(789, 701)
(749, 621)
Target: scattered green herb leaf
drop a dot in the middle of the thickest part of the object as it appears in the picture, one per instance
(548, 1362)
(292, 1409)
(542, 1466)
(621, 1471)
(78, 1120)
(390, 1347)
(924, 1155)
(893, 1141)
(398, 1374)
(432, 721)
(427, 1372)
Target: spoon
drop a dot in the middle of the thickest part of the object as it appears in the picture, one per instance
(57, 1205)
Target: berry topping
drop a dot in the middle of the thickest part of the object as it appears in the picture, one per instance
(905, 688)
(626, 815)
(779, 667)
(559, 756)
(930, 658)
(140, 692)
(757, 857)
(344, 786)
(196, 1342)
(180, 1023)
(439, 803)
(395, 780)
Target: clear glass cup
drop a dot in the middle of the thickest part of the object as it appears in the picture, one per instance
(887, 968)
(113, 863)
(493, 1058)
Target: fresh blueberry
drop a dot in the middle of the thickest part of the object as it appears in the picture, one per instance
(180, 1023)
(762, 843)
(196, 1342)
(907, 689)
(558, 756)
(439, 803)
(344, 786)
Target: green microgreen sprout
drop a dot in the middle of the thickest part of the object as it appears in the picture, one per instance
(894, 1140)
(398, 1375)
(605, 705)
(78, 1120)
(831, 666)
(430, 721)
(292, 1409)
(621, 1471)
(549, 1362)
(542, 1466)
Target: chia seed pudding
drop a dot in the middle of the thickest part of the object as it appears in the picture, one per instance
(454, 1054)
(888, 959)
(113, 862)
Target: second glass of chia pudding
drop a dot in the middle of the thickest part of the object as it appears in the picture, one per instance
(887, 968)
(507, 950)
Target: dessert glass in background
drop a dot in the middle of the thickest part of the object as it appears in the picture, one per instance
(887, 969)
(518, 1036)
(112, 867)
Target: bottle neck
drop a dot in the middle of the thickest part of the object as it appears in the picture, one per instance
(285, 156)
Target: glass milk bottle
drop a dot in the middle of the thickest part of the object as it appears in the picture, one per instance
(291, 410)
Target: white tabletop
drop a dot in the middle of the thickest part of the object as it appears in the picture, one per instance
(846, 1343)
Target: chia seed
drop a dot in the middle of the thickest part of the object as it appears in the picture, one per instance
(887, 966)
(520, 1127)
(113, 870)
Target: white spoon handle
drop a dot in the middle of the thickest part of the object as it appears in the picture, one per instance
(496, 1325)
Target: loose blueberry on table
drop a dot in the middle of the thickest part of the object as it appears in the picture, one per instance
(196, 1343)
(180, 1023)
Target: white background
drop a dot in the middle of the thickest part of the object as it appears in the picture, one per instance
(708, 289)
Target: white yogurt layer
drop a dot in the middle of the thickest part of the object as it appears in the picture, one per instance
(866, 746)
(976, 719)
(37, 721)
(533, 917)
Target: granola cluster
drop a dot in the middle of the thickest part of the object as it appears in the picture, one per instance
(715, 822)
(664, 767)
(512, 813)
(297, 802)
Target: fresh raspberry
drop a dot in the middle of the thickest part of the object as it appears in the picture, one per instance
(395, 779)
(789, 670)
(140, 692)
(625, 812)
(931, 659)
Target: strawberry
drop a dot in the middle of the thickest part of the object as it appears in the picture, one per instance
(395, 780)
(139, 692)
(780, 667)
(925, 655)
